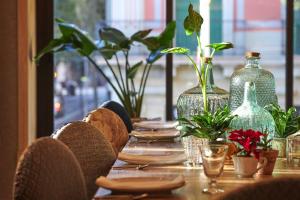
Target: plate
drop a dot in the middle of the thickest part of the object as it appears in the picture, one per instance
(141, 184)
(156, 135)
(155, 125)
(172, 159)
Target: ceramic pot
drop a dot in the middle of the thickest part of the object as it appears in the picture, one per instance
(247, 166)
(271, 156)
(280, 145)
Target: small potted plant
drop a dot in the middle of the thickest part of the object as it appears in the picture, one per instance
(268, 153)
(208, 126)
(246, 160)
(286, 123)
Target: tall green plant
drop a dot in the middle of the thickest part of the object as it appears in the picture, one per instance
(112, 44)
(192, 25)
(286, 123)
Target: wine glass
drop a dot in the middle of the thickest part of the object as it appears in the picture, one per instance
(213, 157)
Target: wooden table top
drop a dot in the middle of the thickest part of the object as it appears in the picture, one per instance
(194, 176)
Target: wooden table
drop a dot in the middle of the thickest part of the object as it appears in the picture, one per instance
(194, 176)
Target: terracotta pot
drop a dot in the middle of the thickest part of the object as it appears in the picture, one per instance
(247, 166)
(280, 145)
(271, 156)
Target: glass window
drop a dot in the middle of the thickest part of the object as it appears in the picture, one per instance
(78, 86)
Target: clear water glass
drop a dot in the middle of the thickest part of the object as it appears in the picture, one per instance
(191, 148)
(213, 157)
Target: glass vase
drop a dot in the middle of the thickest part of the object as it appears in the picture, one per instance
(190, 102)
(252, 72)
(251, 116)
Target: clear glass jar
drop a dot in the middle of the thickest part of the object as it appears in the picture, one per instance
(252, 72)
(191, 149)
(250, 115)
(190, 102)
(293, 149)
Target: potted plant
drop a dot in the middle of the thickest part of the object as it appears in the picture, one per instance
(246, 160)
(286, 123)
(113, 44)
(268, 153)
(208, 127)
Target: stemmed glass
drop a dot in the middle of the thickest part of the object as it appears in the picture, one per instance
(213, 157)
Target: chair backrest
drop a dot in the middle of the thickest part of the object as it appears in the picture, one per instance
(279, 188)
(94, 153)
(119, 110)
(48, 170)
(111, 125)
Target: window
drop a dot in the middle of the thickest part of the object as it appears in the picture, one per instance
(78, 88)
(250, 25)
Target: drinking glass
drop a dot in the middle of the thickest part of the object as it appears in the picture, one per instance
(213, 157)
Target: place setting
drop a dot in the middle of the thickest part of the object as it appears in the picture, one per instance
(155, 130)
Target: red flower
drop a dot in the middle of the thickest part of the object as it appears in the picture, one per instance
(247, 140)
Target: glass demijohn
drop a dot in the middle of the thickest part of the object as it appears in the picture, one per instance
(252, 72)
(190, 102)
(250, 115)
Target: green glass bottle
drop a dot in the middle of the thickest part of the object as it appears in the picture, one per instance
(250, 115)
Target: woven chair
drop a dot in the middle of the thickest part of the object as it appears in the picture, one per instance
(48, 170)
(111, 125)
(94, 153)
(279, 188)
(119, 110)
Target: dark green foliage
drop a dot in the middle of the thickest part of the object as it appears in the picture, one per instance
(286, 123)
(206, 124)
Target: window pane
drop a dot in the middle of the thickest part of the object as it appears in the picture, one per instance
(79, 88)
(250, 25)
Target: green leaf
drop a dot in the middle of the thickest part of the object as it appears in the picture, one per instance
(78, 38)
(176, 50)
(140, 34)
(193, 22)
(51, 47)
(131, 72)
(115, 36)
(108, 51)
(166, 37)
(220, 46)
(152, 43)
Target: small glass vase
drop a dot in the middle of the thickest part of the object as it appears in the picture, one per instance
(190, 102)
(251, 116)
(252, 72)
(191, 145)
(293, 149)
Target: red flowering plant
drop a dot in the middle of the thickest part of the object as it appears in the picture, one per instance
(247, 141)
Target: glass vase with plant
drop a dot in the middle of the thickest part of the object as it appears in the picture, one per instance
(286, 123)
(112, 45)
(268, 153)
(246, 160)
(192, 26)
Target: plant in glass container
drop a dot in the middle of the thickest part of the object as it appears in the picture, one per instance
(246, 160)
(197, 101)
(286, 123)
(192, 25)
(268, 153)
(113, 44)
